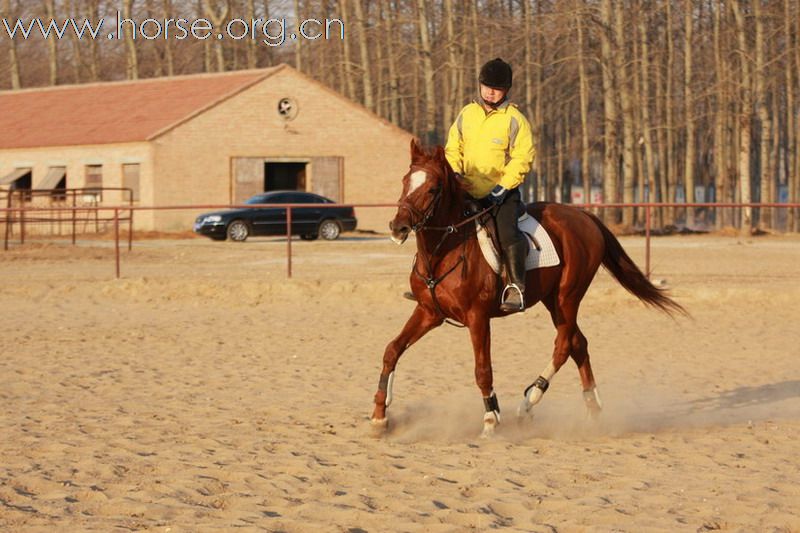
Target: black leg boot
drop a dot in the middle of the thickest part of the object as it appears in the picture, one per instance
(513, 298)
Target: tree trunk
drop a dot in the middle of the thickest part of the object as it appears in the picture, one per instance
(745, 118)
(610, 114)
(454, 55)
(52, 44)
(586, 178)
(427, 73)
(169, 59)
(792, 168)
(762, 106)
(366, 76)
(13, 57)
(298, 48)
(350, 84)
(94, 56)
(252, 44)
(391, 52)
(623, 86)
(670, 163)
(644, 105)
(721, 139)
(132, 56)
(688, 101)
(72, 8)
(218, 20)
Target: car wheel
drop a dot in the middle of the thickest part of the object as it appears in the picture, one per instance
(238, 231)
(309, 237)
(329, 229)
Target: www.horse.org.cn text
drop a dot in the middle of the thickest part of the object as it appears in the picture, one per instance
(271, 32)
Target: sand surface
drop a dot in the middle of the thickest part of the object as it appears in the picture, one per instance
(205, 392)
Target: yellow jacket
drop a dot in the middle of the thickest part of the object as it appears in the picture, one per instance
(490, 148)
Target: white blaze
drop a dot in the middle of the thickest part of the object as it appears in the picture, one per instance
(417, 178)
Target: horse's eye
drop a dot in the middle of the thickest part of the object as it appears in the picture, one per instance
(435, 190)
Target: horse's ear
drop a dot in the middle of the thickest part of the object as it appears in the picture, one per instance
(416, 149)
(440, 155)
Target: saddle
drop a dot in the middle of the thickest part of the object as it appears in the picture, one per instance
(541, 251)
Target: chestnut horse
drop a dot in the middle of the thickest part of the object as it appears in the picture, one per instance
(452, 281)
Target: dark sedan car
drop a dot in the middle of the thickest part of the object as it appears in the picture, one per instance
(308, 222)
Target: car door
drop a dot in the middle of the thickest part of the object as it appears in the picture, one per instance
(271, 220)
(304, 219)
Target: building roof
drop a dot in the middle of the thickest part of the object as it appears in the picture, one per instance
(115, 112)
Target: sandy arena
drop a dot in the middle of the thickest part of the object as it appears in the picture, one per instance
(204, 391)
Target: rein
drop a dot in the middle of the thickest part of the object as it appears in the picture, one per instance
(430, 281)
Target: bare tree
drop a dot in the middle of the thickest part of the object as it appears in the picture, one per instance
(13, 57)
(132, 55)
(745, 115)
(366, 77)
(427, 72)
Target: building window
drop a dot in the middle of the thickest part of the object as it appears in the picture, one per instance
(94, 183)
(130, 179)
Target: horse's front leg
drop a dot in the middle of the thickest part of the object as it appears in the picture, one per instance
(481, 335)
(420, 322)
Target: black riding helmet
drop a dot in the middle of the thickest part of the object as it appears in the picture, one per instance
(496, 73)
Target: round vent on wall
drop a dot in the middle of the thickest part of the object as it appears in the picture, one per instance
(288, 108)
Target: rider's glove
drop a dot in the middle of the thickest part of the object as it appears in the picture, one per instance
(497, 195)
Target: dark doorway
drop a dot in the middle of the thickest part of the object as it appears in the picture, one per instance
(23, 183)
(284, 176)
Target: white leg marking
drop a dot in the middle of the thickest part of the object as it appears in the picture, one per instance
(389, 384)
(417, 178)
(535, 394)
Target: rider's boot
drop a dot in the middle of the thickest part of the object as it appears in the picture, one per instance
(408, 295)
(513, 298)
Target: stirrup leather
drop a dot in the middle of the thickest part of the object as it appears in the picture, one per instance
(515, 287)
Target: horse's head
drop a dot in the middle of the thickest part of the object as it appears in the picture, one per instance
(423, 187)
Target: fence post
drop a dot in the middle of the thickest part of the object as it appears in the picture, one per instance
(289, 242)
(74, 216)
(130, 230)
(116, 238)
(647, 220)
(22, 219)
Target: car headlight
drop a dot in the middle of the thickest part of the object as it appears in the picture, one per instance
(212, 218)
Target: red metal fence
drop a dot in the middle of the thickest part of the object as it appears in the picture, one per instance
(118, 215)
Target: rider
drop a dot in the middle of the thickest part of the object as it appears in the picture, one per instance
(491, 146)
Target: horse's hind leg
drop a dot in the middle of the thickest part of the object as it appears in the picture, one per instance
(419, 323)
(564, 317)
(580, 354)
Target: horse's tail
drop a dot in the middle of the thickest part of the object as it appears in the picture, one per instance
(625, 271)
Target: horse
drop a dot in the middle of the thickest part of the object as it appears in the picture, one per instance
(451, 281)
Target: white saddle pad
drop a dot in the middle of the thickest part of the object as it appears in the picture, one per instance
(541, 251)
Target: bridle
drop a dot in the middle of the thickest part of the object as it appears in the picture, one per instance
(423, 216)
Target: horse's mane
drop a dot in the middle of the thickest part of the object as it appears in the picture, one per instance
(433, 161)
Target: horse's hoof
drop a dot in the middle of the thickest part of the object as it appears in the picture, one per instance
(379, 426)
(488, 431)
(524, 409)
(593, 413)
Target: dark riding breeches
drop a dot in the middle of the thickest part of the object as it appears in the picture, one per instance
(507, 214)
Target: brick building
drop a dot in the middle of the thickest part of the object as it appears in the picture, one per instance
(202, 139)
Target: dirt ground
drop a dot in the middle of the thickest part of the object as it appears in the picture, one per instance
(205, 391)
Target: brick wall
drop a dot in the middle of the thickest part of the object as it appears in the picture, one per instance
(76, 158)
(193, 162)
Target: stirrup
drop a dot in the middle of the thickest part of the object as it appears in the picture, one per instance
(503, 302)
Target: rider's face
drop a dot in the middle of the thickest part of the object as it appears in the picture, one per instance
(492, 95)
